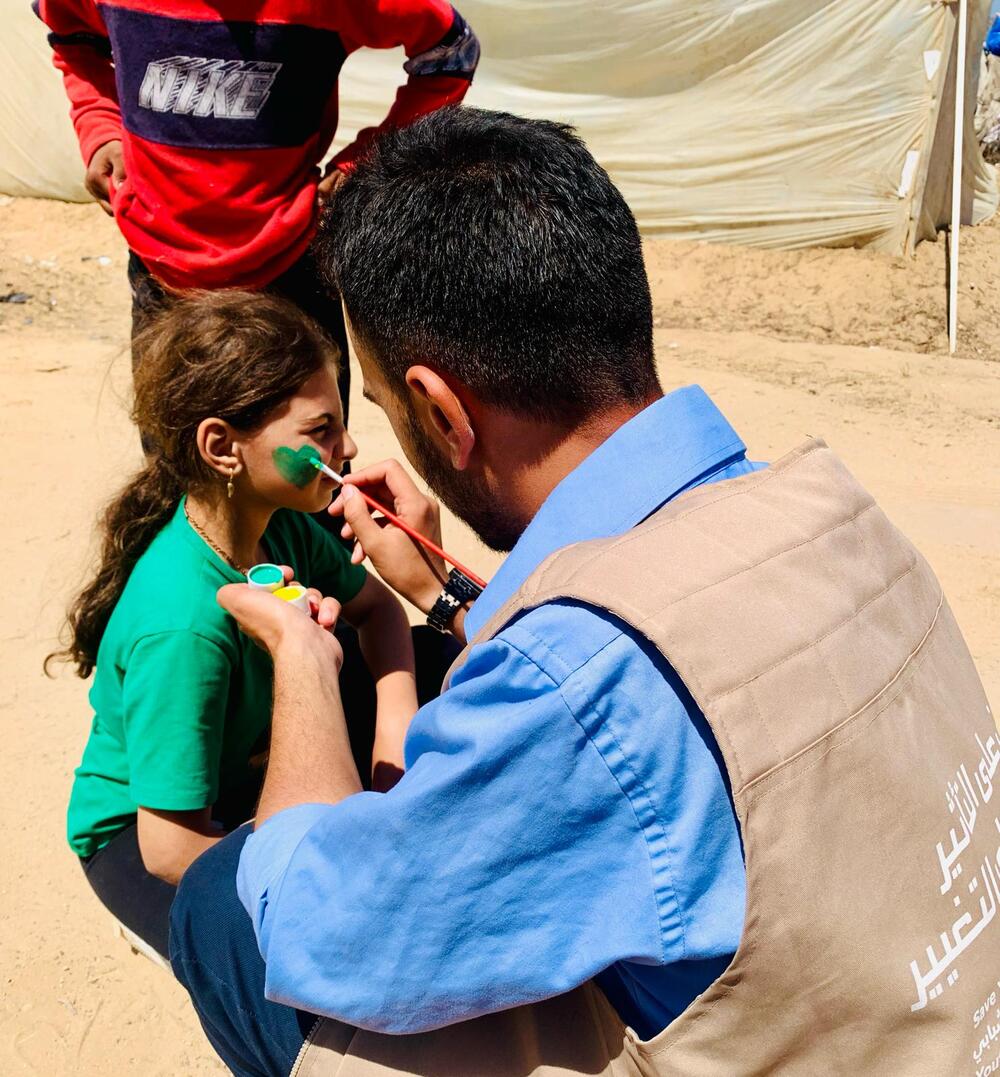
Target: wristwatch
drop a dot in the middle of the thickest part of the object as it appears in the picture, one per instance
(457, 591)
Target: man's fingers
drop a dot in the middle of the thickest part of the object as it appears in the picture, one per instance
(225, 597)
(358, 516)
(240, 599)
(265, 619)
(314, 596)
(388, 471)
(389, 474)
(250, 606)
(376, 491)
(348, 535)
(388, 483)
(328, 612)
(324, 609)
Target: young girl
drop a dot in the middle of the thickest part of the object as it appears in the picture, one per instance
(181, 698)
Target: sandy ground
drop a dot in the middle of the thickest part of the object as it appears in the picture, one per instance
(831, 343)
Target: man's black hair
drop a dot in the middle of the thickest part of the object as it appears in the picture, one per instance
(496, 249)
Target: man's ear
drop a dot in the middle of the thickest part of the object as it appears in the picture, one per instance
(218, 448)
(440, 408)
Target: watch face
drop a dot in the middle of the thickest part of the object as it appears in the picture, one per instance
(460, 585)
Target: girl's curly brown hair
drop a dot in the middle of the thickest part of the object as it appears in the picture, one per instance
(232, 355)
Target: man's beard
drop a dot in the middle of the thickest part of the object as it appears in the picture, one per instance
(494, 527)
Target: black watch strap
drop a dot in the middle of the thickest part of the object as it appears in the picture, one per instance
(458, 590)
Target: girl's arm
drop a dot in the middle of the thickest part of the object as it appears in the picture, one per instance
(387, 647)
(170, 841)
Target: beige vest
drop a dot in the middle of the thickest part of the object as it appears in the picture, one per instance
(862, 756)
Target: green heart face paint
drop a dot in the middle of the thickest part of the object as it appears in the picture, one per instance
(297, 466)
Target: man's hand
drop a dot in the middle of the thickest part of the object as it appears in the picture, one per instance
(106, 164)
(332, 179)
(404, 565)
(310, 759)
(273, 624)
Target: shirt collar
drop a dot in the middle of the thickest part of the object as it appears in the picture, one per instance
(183, 528)
(676, 443)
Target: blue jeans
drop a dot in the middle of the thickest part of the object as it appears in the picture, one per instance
(214, 954)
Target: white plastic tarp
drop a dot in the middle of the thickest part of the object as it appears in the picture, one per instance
(780, 123)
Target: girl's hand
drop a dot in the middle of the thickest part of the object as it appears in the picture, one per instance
(404, 564)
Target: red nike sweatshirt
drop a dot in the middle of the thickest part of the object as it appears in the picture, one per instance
(226, 107)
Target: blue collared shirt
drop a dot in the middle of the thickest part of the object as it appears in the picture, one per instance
(564, 815)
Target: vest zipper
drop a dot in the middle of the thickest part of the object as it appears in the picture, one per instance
(306, 1044)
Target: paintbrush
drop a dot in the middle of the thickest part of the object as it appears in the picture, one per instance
(299, 466)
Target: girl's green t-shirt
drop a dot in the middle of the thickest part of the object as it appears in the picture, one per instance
(180, 696)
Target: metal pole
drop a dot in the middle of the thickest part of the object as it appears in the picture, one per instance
(956, 175)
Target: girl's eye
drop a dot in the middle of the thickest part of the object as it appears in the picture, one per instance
(320, 431)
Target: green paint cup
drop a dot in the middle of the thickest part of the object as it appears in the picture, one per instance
(266, 577)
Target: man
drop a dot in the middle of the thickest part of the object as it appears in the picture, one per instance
(202, 126)
(685, 656)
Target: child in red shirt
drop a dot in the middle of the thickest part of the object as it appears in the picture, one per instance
(202, 124)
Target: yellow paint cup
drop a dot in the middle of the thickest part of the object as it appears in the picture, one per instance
(294, 595)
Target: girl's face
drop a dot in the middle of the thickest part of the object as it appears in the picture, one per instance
(312, 417)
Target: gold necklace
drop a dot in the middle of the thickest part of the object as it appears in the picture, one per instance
(213, 545)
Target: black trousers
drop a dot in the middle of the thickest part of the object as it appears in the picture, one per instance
(300, 284)
(137, 899)
(142, 902)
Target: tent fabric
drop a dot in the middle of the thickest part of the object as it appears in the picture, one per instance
(38, 149)
(774, 123)
(931, 208)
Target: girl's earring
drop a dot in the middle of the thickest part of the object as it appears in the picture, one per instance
(229, 485)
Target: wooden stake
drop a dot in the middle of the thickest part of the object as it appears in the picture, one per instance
(956, 175)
